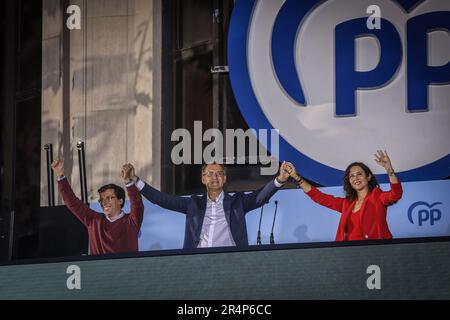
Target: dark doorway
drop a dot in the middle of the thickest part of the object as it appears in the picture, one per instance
(21, 69)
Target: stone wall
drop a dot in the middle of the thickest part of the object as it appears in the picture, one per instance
(101, 86)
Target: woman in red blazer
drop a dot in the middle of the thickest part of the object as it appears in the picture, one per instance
(363, 210)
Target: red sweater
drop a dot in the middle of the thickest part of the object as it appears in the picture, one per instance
(105, 236)
(373, 211)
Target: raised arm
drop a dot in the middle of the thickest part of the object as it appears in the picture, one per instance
(75, 205)
(326, 200)
(392, 196)
(383, 160)
(259, 197)
(166, 201)
(136, 203)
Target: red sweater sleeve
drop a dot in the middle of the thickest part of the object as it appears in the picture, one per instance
(390, 197)
(75, 205)
(333, 203)
(136, 205)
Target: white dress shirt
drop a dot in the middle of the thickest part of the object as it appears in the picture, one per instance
(215, 229)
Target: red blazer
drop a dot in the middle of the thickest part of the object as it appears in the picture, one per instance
(373, 209)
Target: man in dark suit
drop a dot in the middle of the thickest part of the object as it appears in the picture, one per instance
(215, 219)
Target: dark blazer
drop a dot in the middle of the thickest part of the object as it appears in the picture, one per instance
(235, 207)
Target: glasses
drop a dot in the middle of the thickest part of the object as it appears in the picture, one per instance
(106, 199)
(210, 174)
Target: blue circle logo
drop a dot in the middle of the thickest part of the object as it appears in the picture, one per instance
(338, 91)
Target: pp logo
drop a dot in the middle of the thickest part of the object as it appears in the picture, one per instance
(422, 213)
(337, 90)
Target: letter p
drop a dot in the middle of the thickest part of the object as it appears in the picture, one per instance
(435, 215)
(348, 80)
(424, 215)
(420, 74)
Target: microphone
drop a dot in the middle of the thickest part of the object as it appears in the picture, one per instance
(258, 238)
(272, 241)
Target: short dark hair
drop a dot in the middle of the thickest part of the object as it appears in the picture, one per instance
(350, 193)
(118, 191)
(219, 164)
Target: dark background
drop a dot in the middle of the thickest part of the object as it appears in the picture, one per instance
(20, 125)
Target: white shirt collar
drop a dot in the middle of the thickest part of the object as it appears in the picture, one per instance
(219, 198)
(120, 216)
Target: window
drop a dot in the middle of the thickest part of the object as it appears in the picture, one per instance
(194, 40)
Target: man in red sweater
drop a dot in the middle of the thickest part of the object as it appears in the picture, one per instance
(113, 231)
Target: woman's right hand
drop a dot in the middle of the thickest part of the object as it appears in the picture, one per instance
(293, 172)
(305, 186)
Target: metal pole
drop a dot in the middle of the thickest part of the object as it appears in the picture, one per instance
(50, 177)
(82, 165)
